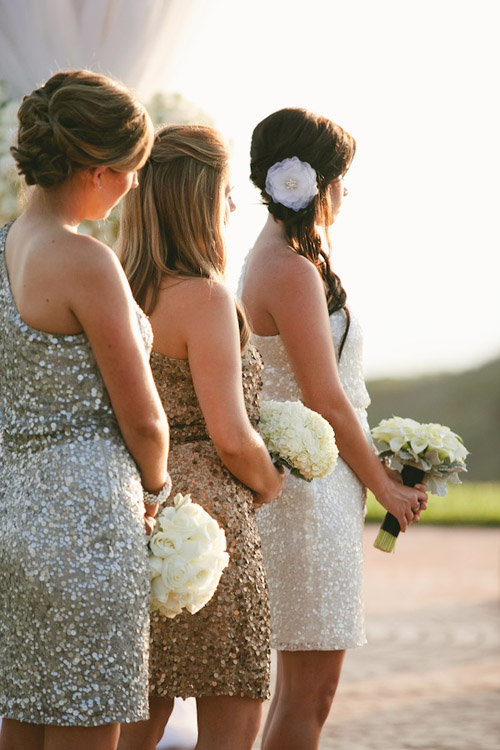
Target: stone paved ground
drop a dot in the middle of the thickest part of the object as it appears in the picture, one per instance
(429, 678)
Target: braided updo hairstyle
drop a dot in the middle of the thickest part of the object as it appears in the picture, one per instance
(79, 119)
(329, 150)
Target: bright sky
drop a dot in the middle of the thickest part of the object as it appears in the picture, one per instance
(416, 83)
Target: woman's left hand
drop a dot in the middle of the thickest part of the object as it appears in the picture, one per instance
(422, 504)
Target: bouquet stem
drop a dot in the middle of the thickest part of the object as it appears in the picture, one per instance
(390, 528)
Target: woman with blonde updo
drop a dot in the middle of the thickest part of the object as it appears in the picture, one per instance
(312, 351)
(172, 246)
(84, 430)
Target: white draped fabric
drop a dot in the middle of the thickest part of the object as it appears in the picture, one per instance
(136, 41)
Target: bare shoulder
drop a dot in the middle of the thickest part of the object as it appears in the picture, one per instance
(92, 256)
(200, 293)
(94, 279)
(273, 263)
(294, 278)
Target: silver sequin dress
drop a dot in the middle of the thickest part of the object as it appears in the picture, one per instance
(74, 585)
(312, 536)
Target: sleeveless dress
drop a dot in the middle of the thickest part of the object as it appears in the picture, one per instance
(224, 648)
(312, 537)
(74, 583)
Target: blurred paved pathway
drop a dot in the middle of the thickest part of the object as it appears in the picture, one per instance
(429, 677)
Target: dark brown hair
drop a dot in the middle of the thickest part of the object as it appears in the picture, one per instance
(79, 119)
(329, 150)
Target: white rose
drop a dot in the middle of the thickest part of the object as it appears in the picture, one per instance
(165, 543)
(159, 592)
(176, 572)
(171, 606)
(155, 566)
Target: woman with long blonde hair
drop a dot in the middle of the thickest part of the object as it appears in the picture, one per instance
(172, 246)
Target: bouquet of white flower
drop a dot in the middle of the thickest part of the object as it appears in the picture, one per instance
(187, 555)
(299, 438)
(429, 453)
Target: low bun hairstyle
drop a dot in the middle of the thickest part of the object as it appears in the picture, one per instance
(329, 150)
(77, 120)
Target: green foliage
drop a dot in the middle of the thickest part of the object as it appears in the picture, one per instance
(472, 504)
(468, 403)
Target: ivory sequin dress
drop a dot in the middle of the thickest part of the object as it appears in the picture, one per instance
(224, 648)
(74, 585)
(312, 536)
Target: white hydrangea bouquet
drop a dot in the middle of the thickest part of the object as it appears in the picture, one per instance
(187, 555)
(429, 453)
(298, 438)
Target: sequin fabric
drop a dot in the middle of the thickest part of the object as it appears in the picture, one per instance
(224, 648)
(74, 588)
(312, 537)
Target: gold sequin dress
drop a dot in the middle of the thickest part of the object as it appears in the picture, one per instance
(224, 648)
(74, 585)
(312, 538)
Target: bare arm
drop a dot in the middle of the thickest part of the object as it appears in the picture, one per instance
(102, 302)
(298, 307)
(209, 329)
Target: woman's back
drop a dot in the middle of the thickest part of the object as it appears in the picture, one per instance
(279, 380)
(71, 533)
(177, 392)
(52, 389)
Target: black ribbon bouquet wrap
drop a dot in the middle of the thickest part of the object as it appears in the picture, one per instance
(430, 452)
(390, 527)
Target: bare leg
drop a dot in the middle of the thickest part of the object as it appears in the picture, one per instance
(274, 701)
(145, 735)
(227, 723)
(307, 683)
(82, 738)
(19, 735)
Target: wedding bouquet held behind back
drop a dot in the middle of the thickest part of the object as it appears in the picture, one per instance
(429, 453)
(298, 438)
(187, 556)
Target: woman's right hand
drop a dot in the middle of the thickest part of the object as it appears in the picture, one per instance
(405, 503)
(264, 498)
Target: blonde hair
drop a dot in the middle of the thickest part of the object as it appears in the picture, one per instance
(79, 119)
(174, 222)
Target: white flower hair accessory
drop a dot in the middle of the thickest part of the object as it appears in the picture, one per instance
(292, 182)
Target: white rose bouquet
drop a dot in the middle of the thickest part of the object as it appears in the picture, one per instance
(187, 555)
(429, 453)
(298, 438)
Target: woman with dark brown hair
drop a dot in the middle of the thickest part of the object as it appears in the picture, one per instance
(85, 438)
(311, 347)
(172, 246)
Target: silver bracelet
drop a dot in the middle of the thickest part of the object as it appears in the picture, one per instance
(151, 499)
